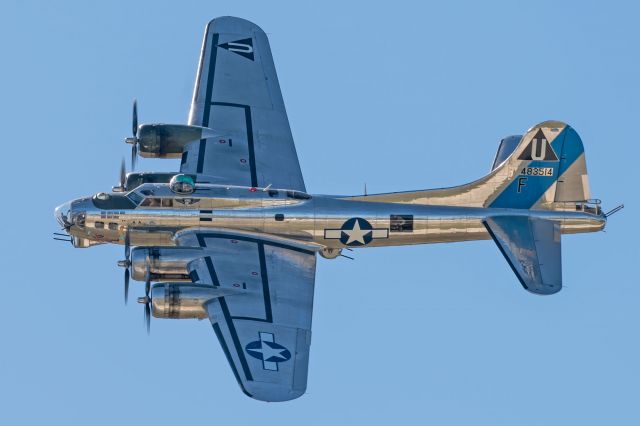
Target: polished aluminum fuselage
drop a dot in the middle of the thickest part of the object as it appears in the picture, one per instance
(308, 220)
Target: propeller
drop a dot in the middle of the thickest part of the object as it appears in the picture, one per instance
(146, 300)
(123, 173)
(126, 263)
(134, 140)
(123, 178)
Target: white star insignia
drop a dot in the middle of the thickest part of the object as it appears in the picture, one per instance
(356, 234)
(268, 352)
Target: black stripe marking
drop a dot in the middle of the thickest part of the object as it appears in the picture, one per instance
(201, 151)
(266, 294)
(210, 77)
(229, 323)
(212, 271)
(250, 143)
(202, 235)
(205, 219)
(265, 284)
(207, 104)
(234, 337)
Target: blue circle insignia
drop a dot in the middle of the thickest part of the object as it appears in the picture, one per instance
(268, 351)
(356, 232)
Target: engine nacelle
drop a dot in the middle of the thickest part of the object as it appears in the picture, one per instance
(167, 140)
(181, 301)
(165, 263)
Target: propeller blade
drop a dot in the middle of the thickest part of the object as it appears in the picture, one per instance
(127, 245)
(126, 285)
(147, 317)
(134, 124)
(123, 173)
(127, 265)
(147, 299)
(134, 155)
(147, 280)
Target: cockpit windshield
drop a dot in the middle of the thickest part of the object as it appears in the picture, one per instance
(106, 201)
(135, 197)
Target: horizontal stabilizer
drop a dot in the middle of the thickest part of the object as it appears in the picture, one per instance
(532, 248)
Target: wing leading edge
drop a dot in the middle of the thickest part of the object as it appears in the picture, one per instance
(264, 328)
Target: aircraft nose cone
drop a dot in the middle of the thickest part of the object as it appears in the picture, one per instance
(62, 213)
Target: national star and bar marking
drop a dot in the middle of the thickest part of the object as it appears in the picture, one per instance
(268, 351)
(356, 232)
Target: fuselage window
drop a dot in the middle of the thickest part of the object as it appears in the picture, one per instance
(99, 225)
(113, 226)
(151, 202)
(167, 202)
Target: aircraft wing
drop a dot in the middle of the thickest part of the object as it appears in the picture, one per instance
(532, 248)
(238, 95)
(264, 328)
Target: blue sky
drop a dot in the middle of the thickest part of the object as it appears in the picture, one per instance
(397, 95)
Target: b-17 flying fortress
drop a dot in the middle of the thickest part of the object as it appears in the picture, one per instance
(233, 235)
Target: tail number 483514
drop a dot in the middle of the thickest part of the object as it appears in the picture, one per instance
(537, 171)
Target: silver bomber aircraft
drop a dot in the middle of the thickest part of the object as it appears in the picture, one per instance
(233, 236)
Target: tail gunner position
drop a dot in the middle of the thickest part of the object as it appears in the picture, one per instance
(233, 236)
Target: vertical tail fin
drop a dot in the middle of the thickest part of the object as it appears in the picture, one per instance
(548, 166)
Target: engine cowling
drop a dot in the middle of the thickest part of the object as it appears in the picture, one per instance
(182, 301)
(165, 263)
(168, 140)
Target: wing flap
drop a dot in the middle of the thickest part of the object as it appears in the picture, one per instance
(533, 249)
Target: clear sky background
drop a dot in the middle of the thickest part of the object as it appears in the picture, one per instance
(398, 95)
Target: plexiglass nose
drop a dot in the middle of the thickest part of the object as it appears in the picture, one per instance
(62, 213)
